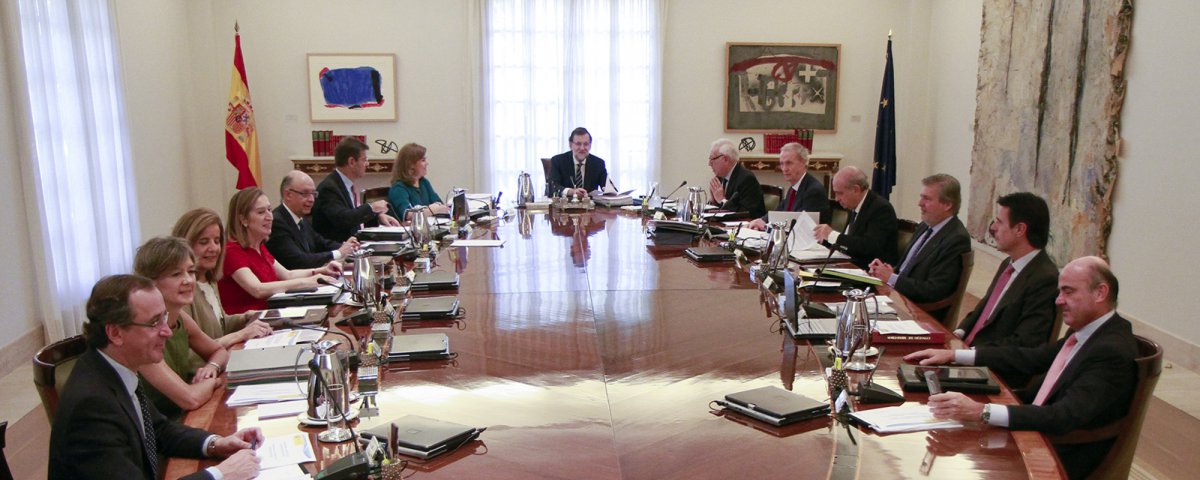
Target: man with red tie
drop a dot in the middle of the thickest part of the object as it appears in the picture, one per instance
(1085, 380)
(805, 193)
(1019, 306)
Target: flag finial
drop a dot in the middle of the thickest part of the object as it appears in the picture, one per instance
(889, 34)
(235, 28)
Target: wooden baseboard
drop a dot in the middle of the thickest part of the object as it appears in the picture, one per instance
(21, 350)
(1176, 350)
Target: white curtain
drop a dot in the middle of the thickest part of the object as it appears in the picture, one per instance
(75, 158)
(552, 65)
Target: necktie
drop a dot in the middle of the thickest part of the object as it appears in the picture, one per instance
(791, 200)
(850, 220)
(578, 174)
(148, 432)
(1056, 368)
(304, 240)
(353, 197)
(993, 299)
(912, 253)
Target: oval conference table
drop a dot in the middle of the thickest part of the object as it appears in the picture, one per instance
(589, 352)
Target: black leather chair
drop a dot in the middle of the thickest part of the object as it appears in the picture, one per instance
(772, 195)
(5, 473)
(52, 366)
(1117, 463)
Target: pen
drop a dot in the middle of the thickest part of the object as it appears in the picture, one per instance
(254, 443)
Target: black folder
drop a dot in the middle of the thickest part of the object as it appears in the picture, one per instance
(953, 378)
(435, 280)
(775, 405)
(430, 308)
(709, 254)
(424, 437)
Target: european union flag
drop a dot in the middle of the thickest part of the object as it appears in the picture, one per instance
(884, 176)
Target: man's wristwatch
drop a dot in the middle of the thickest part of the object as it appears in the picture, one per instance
(986, 413)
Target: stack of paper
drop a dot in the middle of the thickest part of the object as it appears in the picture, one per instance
(903, 418)
(266, 393)
(283, 338)
(901, 327)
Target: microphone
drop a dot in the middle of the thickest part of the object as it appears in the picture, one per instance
(355, 465)
(676, 189)
(353, 359)
(729, 199)
(825, 264)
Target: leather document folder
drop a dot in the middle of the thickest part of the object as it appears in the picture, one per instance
(952, 378)
(709, 254)
(264, 365)
(422, 346)
(435, 280)
(775, 405)
(430, 308)
(424, 437)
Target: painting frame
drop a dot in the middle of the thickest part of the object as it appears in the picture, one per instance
(372, 98)
(809, 101)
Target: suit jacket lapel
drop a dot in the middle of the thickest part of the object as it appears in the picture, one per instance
(340, 183)
(117, 388)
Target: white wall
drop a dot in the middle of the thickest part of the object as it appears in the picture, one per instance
(20, 306)
(1153, 242)
(952, 77)
(693, 83)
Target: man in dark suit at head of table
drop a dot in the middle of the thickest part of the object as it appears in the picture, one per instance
(1083, 381)
(338, 213)
(294, 242)
(804, 192)
(577, 172)
(871, 227)
(1019, 306)
(104, 427)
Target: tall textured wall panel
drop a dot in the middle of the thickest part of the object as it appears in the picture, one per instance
(1048, 105)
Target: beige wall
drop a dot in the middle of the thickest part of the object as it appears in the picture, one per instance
(19, 314)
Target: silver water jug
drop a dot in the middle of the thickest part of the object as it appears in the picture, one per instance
(776, 254)
(524, 189)
(421, 234)
(332, 371)
(854, 328)
(694, 205)
(364, 287)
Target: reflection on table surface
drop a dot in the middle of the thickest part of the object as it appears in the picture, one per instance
(588, 352)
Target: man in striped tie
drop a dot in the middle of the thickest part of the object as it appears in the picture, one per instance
(1085, 380)
(104, 427)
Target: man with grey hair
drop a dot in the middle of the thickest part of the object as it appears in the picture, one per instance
(804, 193)
(294, 242)
(871, 227)
(932, 264)
(733, 187)
(1084, 381)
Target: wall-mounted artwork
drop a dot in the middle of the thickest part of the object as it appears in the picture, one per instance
(781, 86)
(352, 87)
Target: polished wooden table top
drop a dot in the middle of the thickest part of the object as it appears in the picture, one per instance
(588, 352)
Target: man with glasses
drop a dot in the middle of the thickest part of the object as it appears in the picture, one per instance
(104, 426)
(733, 187)
(577, 172)
(294, 242)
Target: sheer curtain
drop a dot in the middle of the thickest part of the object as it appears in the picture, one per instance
(552, 65)
(75, 162)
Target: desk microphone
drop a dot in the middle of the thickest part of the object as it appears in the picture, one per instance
(353, 359)
(676, 189)
(825, 264)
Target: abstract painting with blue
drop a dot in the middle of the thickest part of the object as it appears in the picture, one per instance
(357, 87)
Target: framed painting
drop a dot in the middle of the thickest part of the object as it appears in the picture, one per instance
(781, 86)
(352, 87)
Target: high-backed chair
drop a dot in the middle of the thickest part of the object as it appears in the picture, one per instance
(52, 366)
(1126, 430)
(839, 217)
(904, 233)
(372, 194)
(5, 473)
(772, 195)
(953, 303)
(546, 175)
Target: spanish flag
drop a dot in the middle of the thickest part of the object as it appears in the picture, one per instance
(241, 138)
